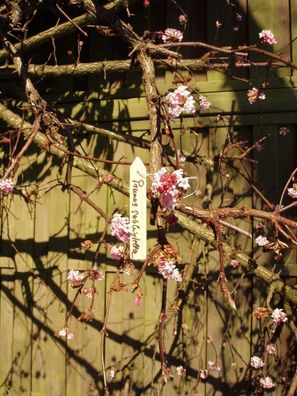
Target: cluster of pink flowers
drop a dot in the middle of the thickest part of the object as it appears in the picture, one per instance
(168, 270)
(267, 36)
(180, 370)
(213, 366)
(261, 240)
(204, 103)
(6, 186)
(234, 263)
(270, 348)
(65, 332)
(168, 187)
(203, 374)
(180, 101)
(182, 19)
(117, 252)
(266, 383)
(120, 227)
(279, 316)
(89, 291)
(172, 35)
(95, 274)
(257, 362)
(254, 94)
(77, 278)
(292, 192)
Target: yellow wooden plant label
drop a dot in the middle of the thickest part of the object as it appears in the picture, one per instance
(138, 238)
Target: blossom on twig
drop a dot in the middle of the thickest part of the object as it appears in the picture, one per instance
(266, 383)
(213, 366)
(267, 36)
(168, 187)
(75, 278)
(182, 19)
(180, 370)
(171, 35)
(203, 374)
(257, 362)
(279, 316)
(270, 348)
(6, 186)
(65, 332)
(234, 263)
(89, 291)
(254, 94)
(120, 227)
(261, 240)
(169, 271)
(96, 274)
(117, 252)
(180, 101)
(204, 103)
(292, 192)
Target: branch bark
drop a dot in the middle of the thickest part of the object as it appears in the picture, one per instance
(198, 229)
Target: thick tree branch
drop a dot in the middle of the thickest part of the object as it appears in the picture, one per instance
(198, 229)
(61, 30)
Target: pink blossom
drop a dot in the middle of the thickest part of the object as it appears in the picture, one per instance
(279, 316)
(137, 300)
(213, 366)
(117, 252)
(146, 3)
(270, 348)
(180, 101)
(6, 186)
(283, 131)
(292, 192)
(204, 103)
(128, 269)
(96, 274)
(75, 278)
(266, 383)
(180, 370)
(267, 36)
(65, 332)
(111, 374)
(234, 263)
(120, 227)
(171, 35)
(168, 187)
(261, 240)
(238, 17)
(254, 94)
(89, 291)
(110, 178)
(169, 271)
(182, 19)
(257, 362)
(203, 374)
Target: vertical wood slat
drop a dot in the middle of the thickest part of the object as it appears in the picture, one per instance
(57, 260)
(43, 298)
(6, 331)
(223, 29)
(293, 25)
(270, 178)
(274, 16)
(22, 324)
